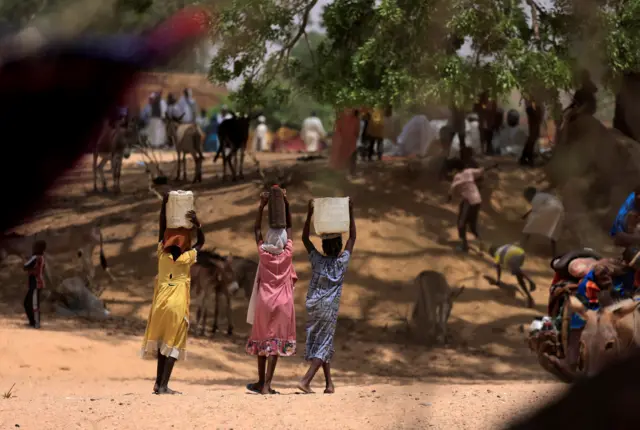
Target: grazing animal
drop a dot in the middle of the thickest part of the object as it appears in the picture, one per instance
(434, 304)
(212, 273)
(245, 271)
(609, 333)
(113, 145)
(187, 139)
(86, 238)
(233, 134)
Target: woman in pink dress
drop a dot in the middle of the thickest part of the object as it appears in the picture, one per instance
(274, 320)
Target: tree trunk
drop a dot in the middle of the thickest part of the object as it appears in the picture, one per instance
(626, 117)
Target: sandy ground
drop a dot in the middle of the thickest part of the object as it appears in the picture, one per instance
(80, 374)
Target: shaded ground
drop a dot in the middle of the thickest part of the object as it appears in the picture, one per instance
(404, 227)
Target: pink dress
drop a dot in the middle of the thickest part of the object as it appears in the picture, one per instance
(274, 327)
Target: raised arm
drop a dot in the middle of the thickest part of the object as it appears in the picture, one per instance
(264, 199)
(305, 230)
(200, 234)
(288, 216)
(352, 229)
(163, 217)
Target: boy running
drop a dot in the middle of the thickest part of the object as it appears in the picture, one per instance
(512, 257)
(464, 183)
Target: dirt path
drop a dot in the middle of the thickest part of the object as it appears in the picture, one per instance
(88, 380)
(481, 378)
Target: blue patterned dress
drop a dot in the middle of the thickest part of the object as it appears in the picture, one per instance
(323, 302)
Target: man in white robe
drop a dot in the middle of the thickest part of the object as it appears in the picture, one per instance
(260, 135)
(312, 133)
(188, 106)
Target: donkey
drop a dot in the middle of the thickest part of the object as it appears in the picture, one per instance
(610, 333)
(113, 145)
(86, 238)
(212, 273)
(187, 139)
(434, 304)
(245, 271)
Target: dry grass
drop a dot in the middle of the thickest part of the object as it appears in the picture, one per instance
(9, 394)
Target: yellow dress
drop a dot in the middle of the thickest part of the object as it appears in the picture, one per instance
(168, 322)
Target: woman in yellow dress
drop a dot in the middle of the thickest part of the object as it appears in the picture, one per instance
(168, 324)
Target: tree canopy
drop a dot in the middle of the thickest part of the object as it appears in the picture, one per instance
(406, 51)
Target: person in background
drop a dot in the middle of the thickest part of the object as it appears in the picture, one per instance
(166, 335)
(323, 298)
(35, 267)
(464, 183)
(202, 120)
(621, 234)
(211, 135)
(312, 132)
(535, 116)
(390, 126)
(511, 257)
(458, 124)
(545, 217)
(260, 135)
(486, 111)
(225, 113)
(173, 109)
(188, 106)
(374, 133)
(273, 331)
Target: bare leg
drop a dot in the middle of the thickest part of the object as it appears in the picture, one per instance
(305, 384)
(256, 387)
(523, 287)
(532, 285)
(271, 368)
(161, 361)
(329, 387)
(553, 248)
(166, 375)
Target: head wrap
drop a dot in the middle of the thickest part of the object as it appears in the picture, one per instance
(275, 241)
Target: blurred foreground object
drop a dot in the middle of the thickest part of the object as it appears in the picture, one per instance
(614, 391)
(88, 76)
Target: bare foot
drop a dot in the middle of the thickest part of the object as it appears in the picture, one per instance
(155, 389)
(305, 388)
(330, 389)
(167, 390)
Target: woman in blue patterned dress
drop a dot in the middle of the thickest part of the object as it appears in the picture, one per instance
(323, 298)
